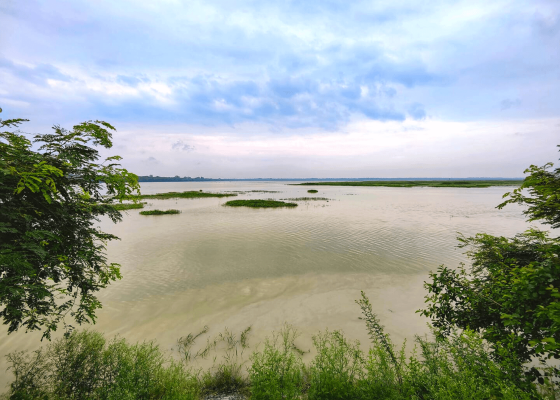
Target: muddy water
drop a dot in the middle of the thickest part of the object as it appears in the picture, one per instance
(235, 267)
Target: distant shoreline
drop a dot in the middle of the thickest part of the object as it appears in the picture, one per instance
(150, 178)
(447, 183)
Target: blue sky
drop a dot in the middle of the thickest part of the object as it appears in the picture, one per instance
(293, 88)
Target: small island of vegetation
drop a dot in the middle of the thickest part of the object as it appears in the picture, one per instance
(159, 212)
(442, 183)
(307, 198)
(312, 191)
(193, 194)
(259, 203)
(128, 206)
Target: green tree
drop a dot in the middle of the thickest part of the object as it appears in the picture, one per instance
(510, 291)
(52, 256)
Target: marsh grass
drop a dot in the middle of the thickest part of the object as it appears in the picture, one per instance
(259, 203)
(226, 375)
(159, 212)
(442, 183)
(459, 366)
(193, 194)
(307, 198)
(312, 191)
(128, 206)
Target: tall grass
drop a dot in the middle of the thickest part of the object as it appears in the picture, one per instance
(276, 373)
(87, 366)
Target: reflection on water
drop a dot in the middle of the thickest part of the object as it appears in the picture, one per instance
(235, 267)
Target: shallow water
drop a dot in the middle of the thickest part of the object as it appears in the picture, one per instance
(235, 267)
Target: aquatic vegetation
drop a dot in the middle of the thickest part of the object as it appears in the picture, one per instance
(442, 183)
(259, 203)
(312, 191)
(128, 206)
(184, 195)
(306, 198)
(159, 212)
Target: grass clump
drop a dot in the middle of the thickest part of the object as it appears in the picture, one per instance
(259, 203)
(87, 366)
(312, 191)
(184, 195)
(442, 183)
(159, 212)
(276, 373)
(128, 206)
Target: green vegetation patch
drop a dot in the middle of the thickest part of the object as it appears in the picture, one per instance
(307, 198)
(85, 365)
(312, 191)
(259, 203)
(159, 212)
(128, 206)
(448, 183)
(184, 195)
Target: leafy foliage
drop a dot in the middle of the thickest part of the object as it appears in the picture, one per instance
(543, 187)
(52, 259)
(510, 292)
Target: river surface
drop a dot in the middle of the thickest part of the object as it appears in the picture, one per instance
(238, 267)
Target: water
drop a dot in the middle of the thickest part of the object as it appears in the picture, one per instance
(235, 267)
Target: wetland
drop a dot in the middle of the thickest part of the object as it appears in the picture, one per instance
(236, 267)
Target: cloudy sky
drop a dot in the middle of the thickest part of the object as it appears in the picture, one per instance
(292, 88)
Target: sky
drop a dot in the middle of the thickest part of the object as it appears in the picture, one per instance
(293, 89)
